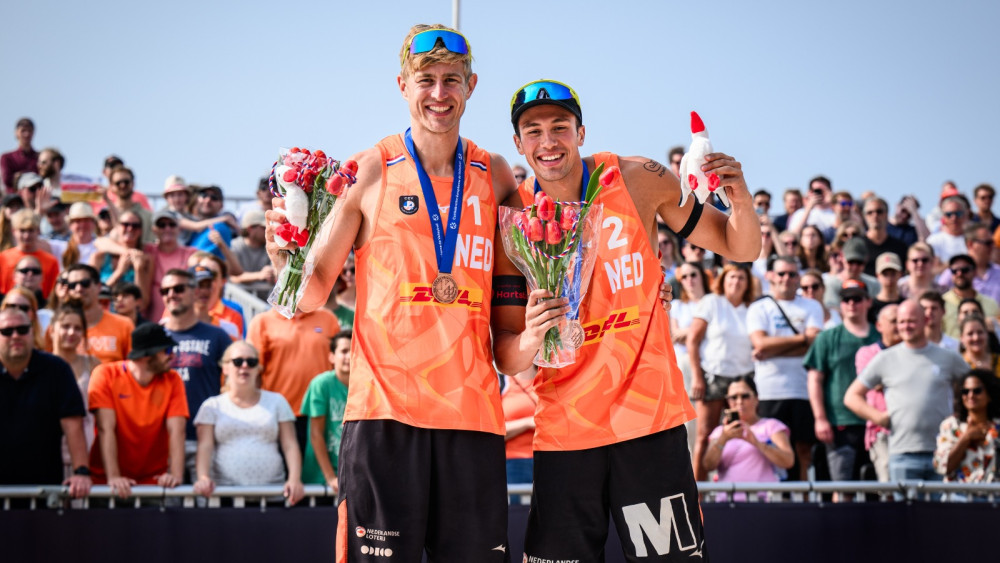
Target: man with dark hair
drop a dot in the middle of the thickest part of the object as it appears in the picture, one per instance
(782, 326)
(22, 159)
(198, 351)
(877, 237)
(140, 408)
(963, 270)
(674, 157)
(979, 241)
(593, 431)
(982, 196)
(39, 404)
(762, 202)
(818, 210)
(830, 365)
(324, 404)
(216, 238)
(108, 334)
(121, 194)
(792, 200)
(125, 298)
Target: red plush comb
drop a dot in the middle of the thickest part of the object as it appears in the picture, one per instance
(696, 124)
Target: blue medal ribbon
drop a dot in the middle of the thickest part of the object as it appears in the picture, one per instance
(573, 293)
(445, 240)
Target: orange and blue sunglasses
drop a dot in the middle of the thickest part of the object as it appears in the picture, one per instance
(425, 41)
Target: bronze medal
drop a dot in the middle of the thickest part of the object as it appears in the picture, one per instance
(444, 288)
(575, 334)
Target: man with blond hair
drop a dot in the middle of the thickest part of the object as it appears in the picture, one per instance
(422, 455)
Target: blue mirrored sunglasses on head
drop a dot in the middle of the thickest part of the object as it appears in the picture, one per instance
(542, 90)
(425, 41)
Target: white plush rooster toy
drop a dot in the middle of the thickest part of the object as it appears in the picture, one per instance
(692, 177)
(296, 204)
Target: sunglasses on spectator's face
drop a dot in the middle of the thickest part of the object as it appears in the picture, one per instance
(972, 391)
(166, 225)
(123, 182)
(983, 241)
(128, 225)
(878, 211)
(920, 260)
(250, 362)
(85, 284)
(691, 276)
(853, 299)
(845, 203)
(32, 271)
(20, 306)
(741, 396)
(211, 195)
(20, 329)
(788, 273)
(954, 214)
(34, 188)
(811, 287)
(963, 270)
(179, 289)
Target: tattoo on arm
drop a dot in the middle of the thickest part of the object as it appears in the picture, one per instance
(655, 168)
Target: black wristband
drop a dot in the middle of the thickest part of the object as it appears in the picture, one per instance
(82, 470)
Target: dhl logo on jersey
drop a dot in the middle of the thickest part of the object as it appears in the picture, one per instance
(622, 319)
(420, 294)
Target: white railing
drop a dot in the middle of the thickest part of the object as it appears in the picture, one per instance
(252, 305)
(40, 496)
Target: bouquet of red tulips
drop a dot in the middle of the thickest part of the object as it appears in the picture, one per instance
(310, 183)
(554, 244)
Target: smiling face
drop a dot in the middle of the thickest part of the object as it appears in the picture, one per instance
(28, 273)
(974, 395)
(67, 331)
(974, 336)
(735, 285)
(437, 95)
(550, 140)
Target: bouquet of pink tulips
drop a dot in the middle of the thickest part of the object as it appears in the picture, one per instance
(310, 183)
(554, 244)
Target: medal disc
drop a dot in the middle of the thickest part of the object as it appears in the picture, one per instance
(444, 288)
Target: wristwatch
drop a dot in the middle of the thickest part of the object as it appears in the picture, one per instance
(82, 470)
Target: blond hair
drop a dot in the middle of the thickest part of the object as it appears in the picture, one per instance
(438, 54)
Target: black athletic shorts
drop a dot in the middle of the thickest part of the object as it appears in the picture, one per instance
(405, 489)
(646, 484)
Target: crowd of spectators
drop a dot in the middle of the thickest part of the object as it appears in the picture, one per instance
(122, 361)
(848, 342)
(855, 333)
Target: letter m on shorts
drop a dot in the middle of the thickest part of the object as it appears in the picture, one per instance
(673, 521)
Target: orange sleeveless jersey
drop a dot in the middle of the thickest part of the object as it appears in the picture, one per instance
(625, 382)
(415, 360)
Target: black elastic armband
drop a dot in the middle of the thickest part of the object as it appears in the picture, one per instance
(692, 221)
(510, 290)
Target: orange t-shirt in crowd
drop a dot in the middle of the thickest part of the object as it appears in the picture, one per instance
(141, 415)
(8, 263)
(228, 319)
(110, 340)
(292, 351)
(625, 382)
(519, 401)
(413, 359)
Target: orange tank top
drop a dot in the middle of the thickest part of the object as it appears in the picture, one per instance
(625, 382)
(413, 359)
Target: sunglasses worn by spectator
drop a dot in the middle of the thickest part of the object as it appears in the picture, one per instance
(166, 225)
(250, 362)
(963, 270)
(689, 276)
(789, 273)
(921, 260)
(983, 241)
(20, 329)
(973, 391)
(954, 214)
(20, 306)
(810, 287)
(852, 299)
(879, 211)
(127, 225)
(211, 195)
(32, 271)
(34, 188)
(740, 396)
(85, 284)
(179, 289)
(123, 183)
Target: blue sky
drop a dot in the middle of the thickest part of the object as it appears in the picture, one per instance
(891, 96)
